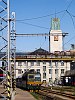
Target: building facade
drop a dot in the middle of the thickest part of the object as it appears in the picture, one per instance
(50, 66)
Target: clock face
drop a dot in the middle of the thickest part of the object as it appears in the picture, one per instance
(55, 38)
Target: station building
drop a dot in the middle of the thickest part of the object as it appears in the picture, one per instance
(51, 64)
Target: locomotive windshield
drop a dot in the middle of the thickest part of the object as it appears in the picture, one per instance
(37, 77)
(30, 77)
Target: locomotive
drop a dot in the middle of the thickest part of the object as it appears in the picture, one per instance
(30, 80)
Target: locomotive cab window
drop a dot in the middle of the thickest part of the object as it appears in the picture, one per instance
(31, 76)
(37, 77)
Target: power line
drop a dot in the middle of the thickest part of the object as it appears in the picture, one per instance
(34, 25)
(69, 4)
(73, 25)
(45, 15)
(71, 18)
(67, 8)
(40, 16)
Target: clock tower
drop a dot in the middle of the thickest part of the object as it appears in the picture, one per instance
(55, 36)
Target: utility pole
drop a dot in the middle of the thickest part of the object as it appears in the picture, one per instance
(11, 77)
(9, 90)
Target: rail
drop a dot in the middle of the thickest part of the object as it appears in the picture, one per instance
(52, 93)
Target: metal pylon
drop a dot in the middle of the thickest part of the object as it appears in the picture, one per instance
(13, 50)
(7, 48)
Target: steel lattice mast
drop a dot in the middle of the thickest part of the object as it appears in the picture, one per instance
(7, 35)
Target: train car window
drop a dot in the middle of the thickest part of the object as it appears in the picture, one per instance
(30, 76)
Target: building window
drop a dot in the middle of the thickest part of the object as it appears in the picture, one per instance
(56, 71)
(44, 68)
(44, 62)
(32, 63)
(25, 70)
(50, 79)
(44, 81)
(56, 63)
(55, 38)
(62, 63)
(19, 71)
(44, 75)
(19, 63)
(62, 71)
(37, 63)
(25, 63)
(38, 70)
(50, 71)
(49, 63)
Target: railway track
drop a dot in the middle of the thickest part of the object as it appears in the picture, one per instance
(51, 94)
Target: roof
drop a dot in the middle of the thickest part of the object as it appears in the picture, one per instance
(39, 51)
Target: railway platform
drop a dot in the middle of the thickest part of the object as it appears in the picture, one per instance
(23, 95)
(20, 94)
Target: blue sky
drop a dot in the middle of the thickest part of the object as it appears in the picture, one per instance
(43, 11)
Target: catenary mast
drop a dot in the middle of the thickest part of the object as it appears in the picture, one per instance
(8, 41)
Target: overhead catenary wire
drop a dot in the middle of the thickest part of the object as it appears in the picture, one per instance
(34, 25)
(23, 20)
(41, 16)
(71, 18)
(69, 5)
(73, 26)
(46, 15)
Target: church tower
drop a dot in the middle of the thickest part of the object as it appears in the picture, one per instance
(55, 36)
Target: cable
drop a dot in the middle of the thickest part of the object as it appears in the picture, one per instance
(67, 8)
(45, 15)
(73, 25)
(41, 16)
(69, 4)
(34, 25)
(71, 18)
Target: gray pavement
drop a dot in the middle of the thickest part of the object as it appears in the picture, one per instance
(23, 95)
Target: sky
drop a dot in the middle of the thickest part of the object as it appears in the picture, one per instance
(34, 16)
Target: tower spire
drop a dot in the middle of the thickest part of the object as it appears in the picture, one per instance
(55, 13)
